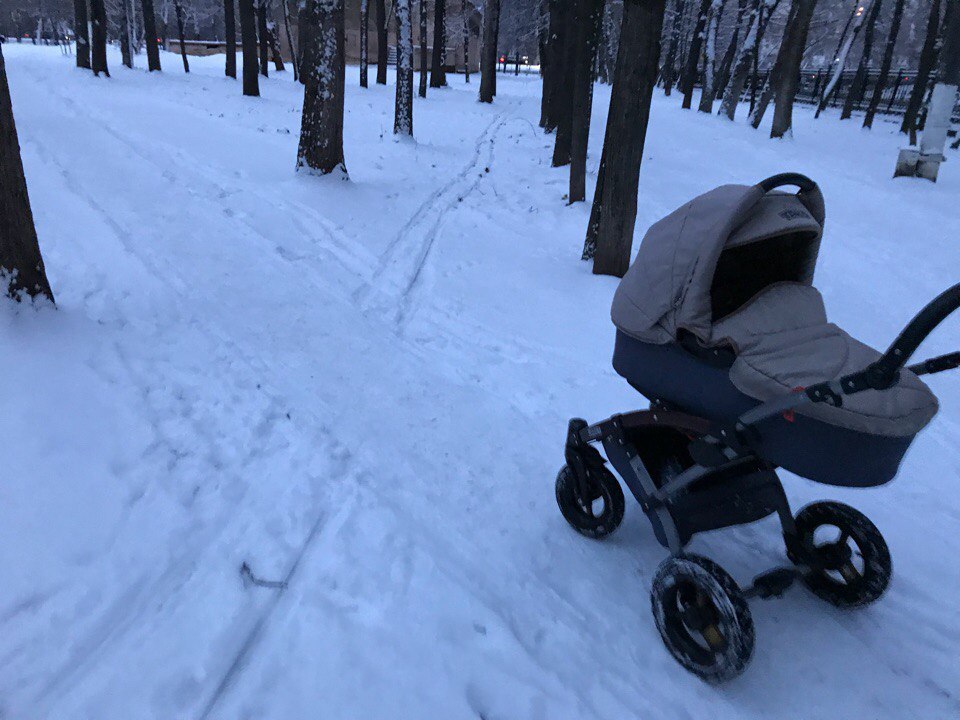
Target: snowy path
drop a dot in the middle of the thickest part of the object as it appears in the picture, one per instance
(361, 389)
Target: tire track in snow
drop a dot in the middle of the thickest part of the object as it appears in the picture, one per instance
(394, 283)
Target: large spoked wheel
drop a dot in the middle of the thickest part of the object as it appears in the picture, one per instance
(702, 617)
(600, 512)
(855, 565)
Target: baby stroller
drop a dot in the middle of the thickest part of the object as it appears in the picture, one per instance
(720, 327)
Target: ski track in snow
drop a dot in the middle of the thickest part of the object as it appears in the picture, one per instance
(517, 617)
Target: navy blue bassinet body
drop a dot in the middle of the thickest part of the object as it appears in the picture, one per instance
(805, 446)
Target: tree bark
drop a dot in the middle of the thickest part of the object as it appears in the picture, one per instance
(689, 77)
(858, 86)
(885, 64)
(944, 96)
(21, 265)
(840, 55)
(321, 130)
(466, 41)
(178, 9)
(263, 38)
(438, 77)
(126, 46)
(488, 51)
(553, 75)
(668, 73)
(294, 54)
(563, 99)
(710, 58)
(748, 51)
(403, 111)
(248, 41)
(98, 44)
(365, 41)
(423, 49)
(928, 58)
(150, 35)
(785, 79)
(726, 63)
(80, 31)
(382, 41)
(633, 82)
(589, 14)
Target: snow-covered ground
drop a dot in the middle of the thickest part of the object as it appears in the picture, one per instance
(361, 389)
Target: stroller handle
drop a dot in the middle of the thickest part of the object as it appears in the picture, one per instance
(885, 372)
(789, 178)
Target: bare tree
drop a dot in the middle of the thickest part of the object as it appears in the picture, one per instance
(248, 42)
(438, 78)
(849, 34)
(21, 265)
(230, 28)
(294, 55)
(123, 22)
(82, 35)
(710, 58)
(488, 51)
(423, 48)
(150, 36)
(785, 78)
(858, 86)
(178, 9)
(553, 75)
(466, 40)
(689, 77)
(403, 112)
(364, 40)
(562, 111)
(673, 47)
(321, 130)
(588, 16)
(885, 64)
(726, 63)
(634, 79)
(98, 45)
(262, 37)
(381, 42)
(927, 61)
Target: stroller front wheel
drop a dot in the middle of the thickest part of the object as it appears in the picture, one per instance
(703, 617)
(855, 565)
(598, 515)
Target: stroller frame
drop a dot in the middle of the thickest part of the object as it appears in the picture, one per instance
(725, 448)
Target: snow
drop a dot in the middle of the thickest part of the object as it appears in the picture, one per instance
(361, 388)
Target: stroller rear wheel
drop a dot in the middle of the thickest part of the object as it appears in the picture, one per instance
(599, 514)
(703, 617)
(855, 561)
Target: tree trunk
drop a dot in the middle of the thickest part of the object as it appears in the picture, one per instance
(21, 266)
(262, 37)
(321, 131)
(275, 47)
(98, 44)
(944, 96)
(589, 14)
(248, 42)
(928, 58)
(150, 35)
(564, 97)
(726, 63)
(885, 64)
(466, 41)
(80, 31)
(403, 111)
(840, 55)
(365, 40)
(302, 35)
(858, 86)
(178, 9)
(488, 51)
(710, 58)
(423, 49)
(786, 78)
(593, 224)
(633, 82)
(668, 73)
(294, 54)
(553, 76)
(689, 77)
(126, 46)
(438, 77)
(382, 42)
(748, 51)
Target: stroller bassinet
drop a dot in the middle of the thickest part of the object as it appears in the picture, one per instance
(718, 313)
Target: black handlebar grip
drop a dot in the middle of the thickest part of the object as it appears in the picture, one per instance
(775, 181)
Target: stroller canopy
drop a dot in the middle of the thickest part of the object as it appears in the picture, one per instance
(734, 268)
(709, 257)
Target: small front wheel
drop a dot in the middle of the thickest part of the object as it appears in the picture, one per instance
(703, 617)
(597, 515)
(853, 558)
